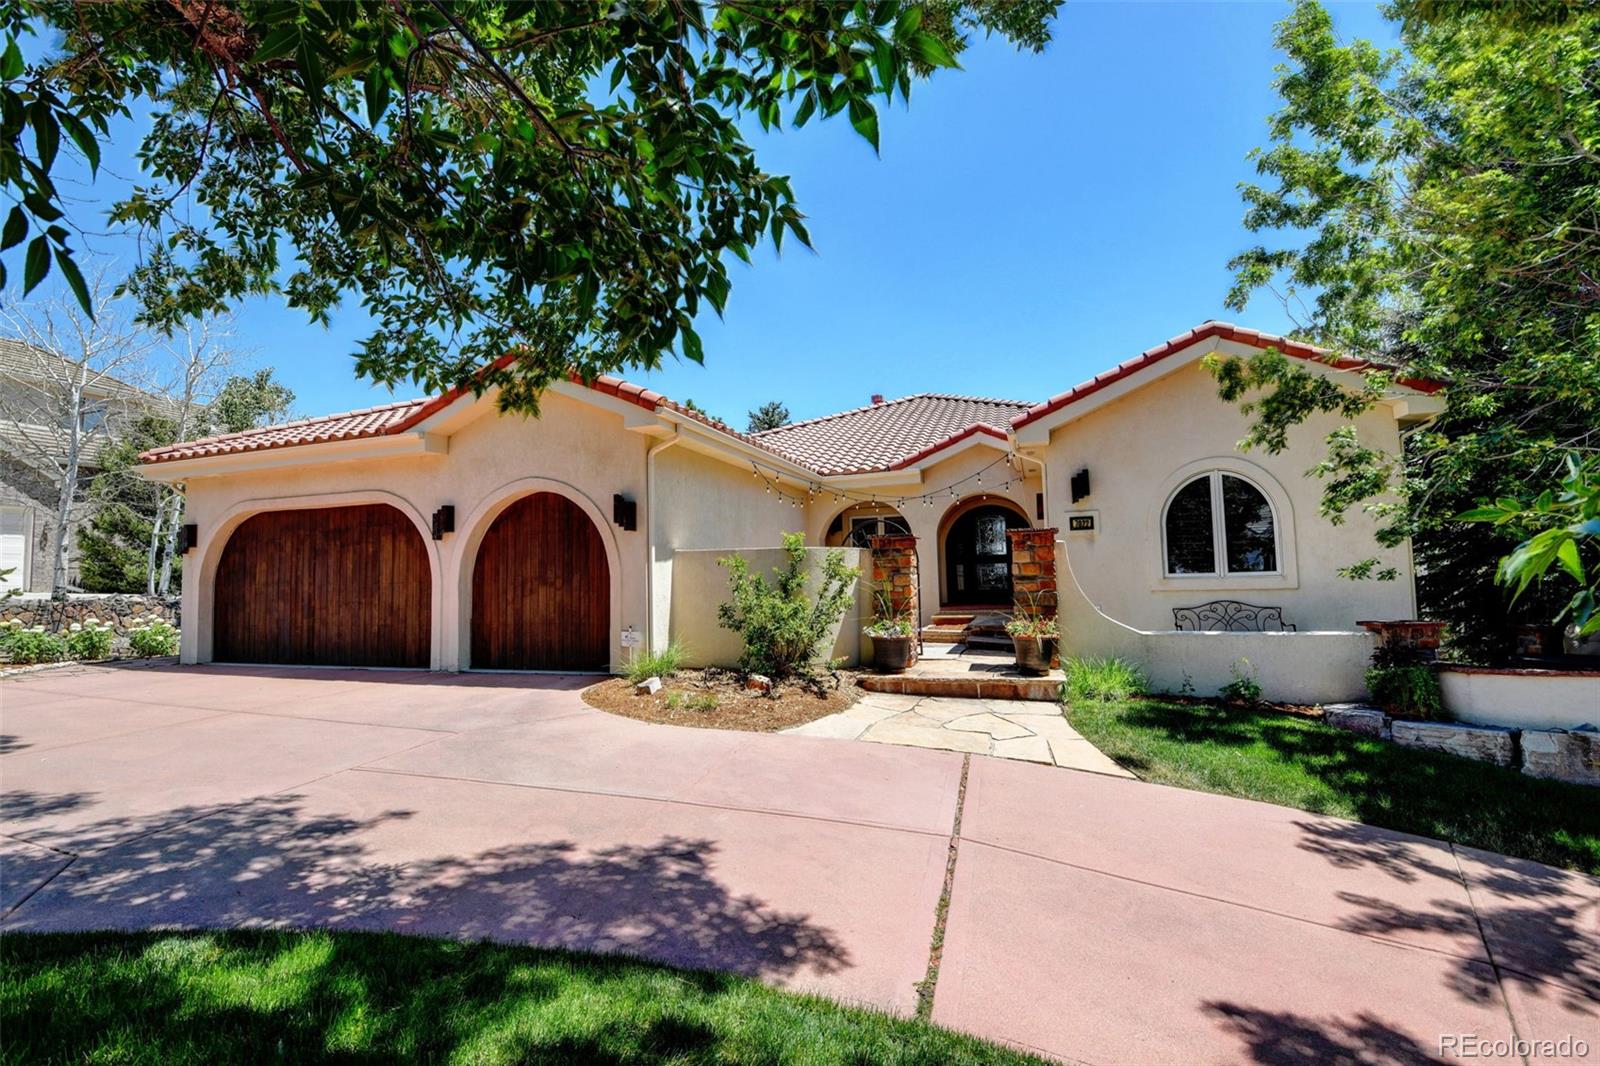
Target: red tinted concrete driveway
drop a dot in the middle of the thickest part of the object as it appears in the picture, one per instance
(1092, 918)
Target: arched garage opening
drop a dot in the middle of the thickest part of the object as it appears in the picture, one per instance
(324, 586)
(541, 590)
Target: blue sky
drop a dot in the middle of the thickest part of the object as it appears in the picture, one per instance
(1032, 220)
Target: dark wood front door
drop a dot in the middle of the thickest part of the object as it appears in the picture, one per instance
(541, 590)
(326, 586)
(977, 556)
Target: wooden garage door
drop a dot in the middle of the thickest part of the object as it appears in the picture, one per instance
(541, 590)
(344, 586)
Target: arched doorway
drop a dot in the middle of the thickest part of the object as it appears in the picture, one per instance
(324, 586)
(977, 556)
(855, 526)
(541, 590)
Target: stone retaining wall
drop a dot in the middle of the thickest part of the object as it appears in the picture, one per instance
(115, 610)
(1560, 754)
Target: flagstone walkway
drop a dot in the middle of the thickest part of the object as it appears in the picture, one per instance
(1010, 729)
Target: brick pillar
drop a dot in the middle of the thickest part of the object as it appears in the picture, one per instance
(894, 572)
(1033, 574)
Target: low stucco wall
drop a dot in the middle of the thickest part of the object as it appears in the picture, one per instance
(700, 585)
(1311, 667)
(1522, 699)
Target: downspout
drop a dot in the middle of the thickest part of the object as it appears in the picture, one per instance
(1044, 479)
(650, 536)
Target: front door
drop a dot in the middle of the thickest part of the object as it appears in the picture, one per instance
(977, 556)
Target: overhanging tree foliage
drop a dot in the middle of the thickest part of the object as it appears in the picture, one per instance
(1438, 211)
(769, 415)
(559, 179)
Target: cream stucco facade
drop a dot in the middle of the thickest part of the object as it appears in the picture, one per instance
(702, 491)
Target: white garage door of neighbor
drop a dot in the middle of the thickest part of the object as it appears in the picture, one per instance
(14, 547)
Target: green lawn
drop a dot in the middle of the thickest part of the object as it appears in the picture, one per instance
(1299, 762)
(355, 997)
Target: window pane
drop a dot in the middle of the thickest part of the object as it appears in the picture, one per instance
(896, 524)
(1189, 547)
(1247, 523)
(991, 535)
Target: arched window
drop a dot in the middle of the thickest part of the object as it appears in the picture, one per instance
(1219, 524)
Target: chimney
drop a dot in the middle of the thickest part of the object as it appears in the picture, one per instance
(877, 398)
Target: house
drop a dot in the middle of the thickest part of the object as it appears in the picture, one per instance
(39, 391)
(439, 533)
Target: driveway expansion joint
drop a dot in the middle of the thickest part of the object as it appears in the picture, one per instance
(941, 914)
(1488, 949)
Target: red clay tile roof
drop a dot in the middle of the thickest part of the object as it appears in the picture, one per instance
(888, 436)
(351, 425)
(1224, 330)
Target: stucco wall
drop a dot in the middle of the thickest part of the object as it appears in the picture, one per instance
(1143, 446)
(1522, 699)
(579, 450)
(705, 503)
(700, 585)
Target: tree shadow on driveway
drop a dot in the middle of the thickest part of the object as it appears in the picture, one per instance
(272, 863)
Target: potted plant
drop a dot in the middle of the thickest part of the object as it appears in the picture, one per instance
(893, 636)
(1034, 638)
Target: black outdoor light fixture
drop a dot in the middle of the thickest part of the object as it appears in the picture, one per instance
(1080, 484)
(624, 512)
(189, 539)
(444, 521)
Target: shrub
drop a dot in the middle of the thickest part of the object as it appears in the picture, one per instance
(26, 646)
(153, 636)
(663, 663)
(89, 640)
(1102, 679)
(1038, 626)
(888, 622)
(706, 701)
(1244, 688)
(783, 628)
(1409, 691)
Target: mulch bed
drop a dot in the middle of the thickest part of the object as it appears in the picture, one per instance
(718, 699)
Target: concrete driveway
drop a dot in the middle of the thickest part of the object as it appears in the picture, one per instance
(1092, 918)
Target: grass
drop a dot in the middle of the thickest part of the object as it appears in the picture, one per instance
(360, 997)
(1102, 679)
(648, 664)
(1299, 762)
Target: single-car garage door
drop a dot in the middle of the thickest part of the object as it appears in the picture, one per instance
(337, 586)
(541, 590)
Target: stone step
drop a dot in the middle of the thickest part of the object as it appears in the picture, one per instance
(986, 688)
(944, 634)
(953, 618)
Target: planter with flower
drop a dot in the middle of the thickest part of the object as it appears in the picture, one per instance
(1034, 637)
(894, 636)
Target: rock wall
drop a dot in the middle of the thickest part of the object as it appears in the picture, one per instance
(115, 610)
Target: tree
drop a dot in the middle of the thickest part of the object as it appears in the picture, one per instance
(248, 402)
(769, 415)
(558, 181)
(115, 545)
(68, 385)
(1438, 212)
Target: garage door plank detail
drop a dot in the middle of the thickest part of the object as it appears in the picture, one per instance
(325, 586)
(541, 590)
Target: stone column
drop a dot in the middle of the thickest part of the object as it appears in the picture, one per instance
(1033, 575)
(894, 573)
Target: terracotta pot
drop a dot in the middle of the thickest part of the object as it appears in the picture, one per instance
(891, 655)
(1034, 653)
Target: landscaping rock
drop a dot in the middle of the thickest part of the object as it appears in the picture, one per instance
(758, 683)
(1485, 743)
(1561, 755)
(648, 687)
(1357, 718)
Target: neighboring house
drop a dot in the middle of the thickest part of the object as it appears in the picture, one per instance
(34, 441)
(436, 533)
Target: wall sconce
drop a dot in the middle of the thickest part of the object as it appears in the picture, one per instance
(624, 512)
(1080, 484)
(189, 539)
(444, 521)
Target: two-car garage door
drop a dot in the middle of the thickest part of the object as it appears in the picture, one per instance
(350, 586)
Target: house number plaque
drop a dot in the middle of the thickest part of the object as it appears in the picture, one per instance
(1081, 523)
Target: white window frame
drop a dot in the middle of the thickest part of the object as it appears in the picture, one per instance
(24, 575)
(1154, 549)
(1219, 535)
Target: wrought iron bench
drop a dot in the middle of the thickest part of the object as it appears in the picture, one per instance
(1231, 616)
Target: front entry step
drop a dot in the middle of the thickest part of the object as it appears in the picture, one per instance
(965, 671)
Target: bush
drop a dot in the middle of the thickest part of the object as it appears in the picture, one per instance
(648, 664)
(27, 646)
(1244, 688)
(153, 636)
(1102, 679)
(783, 628)
(89, 640)
(1410, 691)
